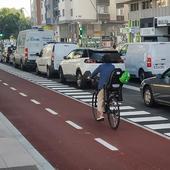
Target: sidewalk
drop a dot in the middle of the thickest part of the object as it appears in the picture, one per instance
(16, 153)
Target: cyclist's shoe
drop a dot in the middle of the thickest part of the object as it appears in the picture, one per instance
(101, 118)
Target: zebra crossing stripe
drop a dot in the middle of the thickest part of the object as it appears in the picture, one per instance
(126, 108)
(79, 93)
(168, 134)
(147, 119)
(83, 97)
(86, 100)
(132, 113)
(159, 126)
(63, 88)
(73, 90)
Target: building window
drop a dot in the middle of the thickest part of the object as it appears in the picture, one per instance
(71, 12)
(134, 7)
(161, 3)
(63, 12)
(147, 4)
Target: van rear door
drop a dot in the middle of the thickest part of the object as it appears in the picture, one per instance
(160, 57)
(61, 50)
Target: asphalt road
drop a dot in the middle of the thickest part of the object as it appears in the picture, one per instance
(62, 128)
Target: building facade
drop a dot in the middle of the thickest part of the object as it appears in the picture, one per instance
(149, 20)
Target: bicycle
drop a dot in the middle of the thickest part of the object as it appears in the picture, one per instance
(112, 96)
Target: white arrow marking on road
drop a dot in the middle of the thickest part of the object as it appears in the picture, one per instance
(74, 125)
(51, 111)
(107, 145)
(22, 94)
(34, 101)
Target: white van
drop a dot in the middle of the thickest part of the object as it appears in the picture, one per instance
(30, 42)
(146, 59)
(51, 55)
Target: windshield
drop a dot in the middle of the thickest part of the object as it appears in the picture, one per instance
(98, 55)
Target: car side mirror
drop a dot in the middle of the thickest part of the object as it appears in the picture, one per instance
(65, 57)
(159, 76)
(38, 54)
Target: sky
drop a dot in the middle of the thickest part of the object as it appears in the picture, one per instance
(18, 4)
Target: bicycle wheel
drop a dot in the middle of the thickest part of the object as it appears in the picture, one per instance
(94, 105)
(113, 112)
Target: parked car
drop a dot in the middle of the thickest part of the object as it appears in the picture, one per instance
(51, 56)
(80, 63)
(146, 59)
(30, 42)
(156, 89)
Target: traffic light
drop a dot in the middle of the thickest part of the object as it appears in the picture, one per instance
(80, 32)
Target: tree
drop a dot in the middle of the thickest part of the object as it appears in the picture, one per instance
(12, 21)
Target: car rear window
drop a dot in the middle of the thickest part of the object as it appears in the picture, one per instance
(115, 56)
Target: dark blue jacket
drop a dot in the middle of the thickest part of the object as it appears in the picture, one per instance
(104, 70)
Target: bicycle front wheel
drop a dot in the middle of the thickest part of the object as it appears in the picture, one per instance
(94, 105)
(113, 112)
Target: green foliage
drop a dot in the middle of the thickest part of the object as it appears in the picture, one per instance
(12, 21)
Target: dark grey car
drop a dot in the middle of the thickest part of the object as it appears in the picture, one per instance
(156, 89)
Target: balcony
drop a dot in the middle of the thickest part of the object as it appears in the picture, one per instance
(104, 17)
(103, 2)
(120, 18)
(147, 13)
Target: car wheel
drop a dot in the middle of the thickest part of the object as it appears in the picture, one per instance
(148, 96)
(22, 66)
(36, 70)
(61, 76)
(79, 80)
(49, 74)
(142, 75)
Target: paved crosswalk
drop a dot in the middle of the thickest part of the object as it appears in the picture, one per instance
(144, 118)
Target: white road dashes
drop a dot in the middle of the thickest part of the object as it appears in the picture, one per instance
(74, 125)
(107, 145)
(127, 112)
(5, 84)
(51, 111)
(23, 94)
(35, 101)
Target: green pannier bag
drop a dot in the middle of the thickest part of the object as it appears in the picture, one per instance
(124, 78)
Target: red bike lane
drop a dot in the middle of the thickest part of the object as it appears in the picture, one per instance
(66, 147)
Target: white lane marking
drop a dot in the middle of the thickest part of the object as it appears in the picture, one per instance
(73, 124)
(159, 126)
(107, 145)
(73, 90)
(83, 97)
(126, 107)
(79, 93)
(51, 111)
(134, 113)
(22, 94)
(12, 88)
(5, 84)
(168, 134)
(57, 86)
(147, 119)
(35, 101)
(63, 88)
(86, 100)
(131, 87)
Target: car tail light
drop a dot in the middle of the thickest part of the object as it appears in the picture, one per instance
(52, 56)
(89, 61)
(149, 61)
(26, 52)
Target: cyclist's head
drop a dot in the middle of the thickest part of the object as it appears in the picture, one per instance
(106, 58)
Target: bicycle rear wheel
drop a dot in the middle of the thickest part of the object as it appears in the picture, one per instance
(113, 112)
(94, 105)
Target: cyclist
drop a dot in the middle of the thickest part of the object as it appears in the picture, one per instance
(104, 70)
